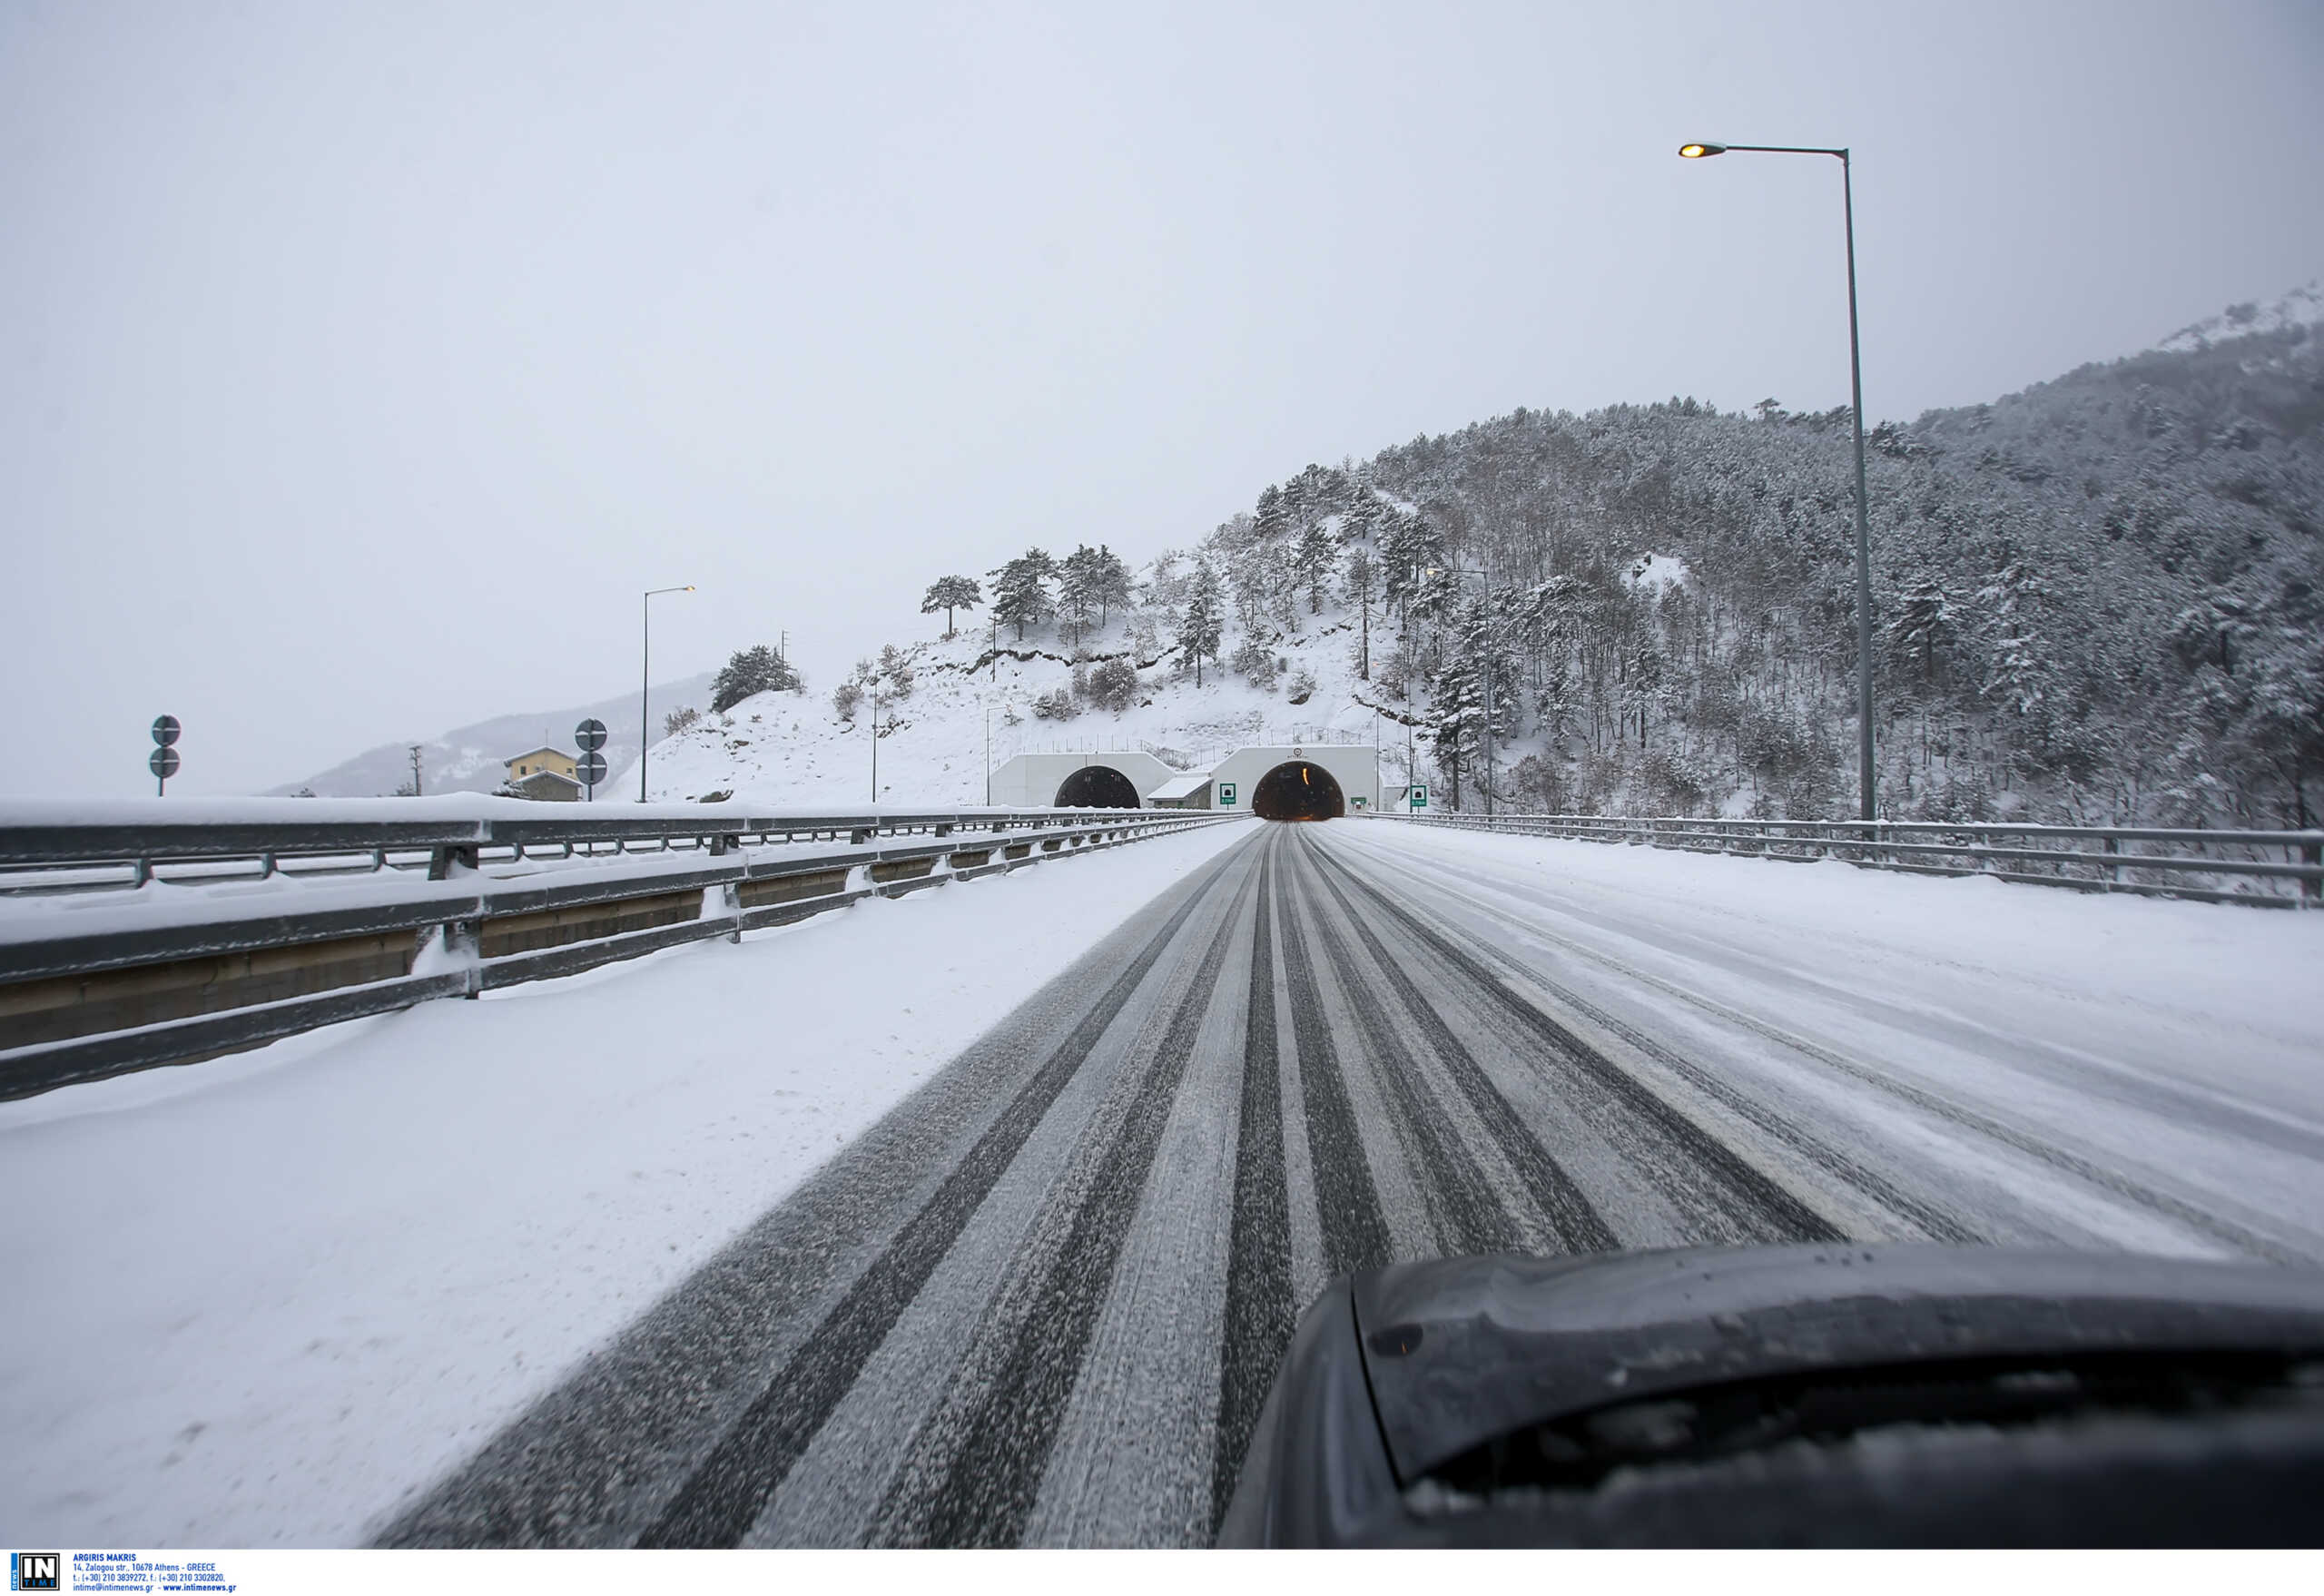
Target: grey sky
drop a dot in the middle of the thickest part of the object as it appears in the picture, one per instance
(364, 363)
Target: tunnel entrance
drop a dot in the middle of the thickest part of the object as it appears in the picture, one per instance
(1097, 786)
(1298, 790)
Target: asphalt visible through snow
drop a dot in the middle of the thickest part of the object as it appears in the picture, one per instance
(1042, 1301)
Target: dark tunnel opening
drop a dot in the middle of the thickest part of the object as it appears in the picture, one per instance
(1298, 790)
(1097, 786)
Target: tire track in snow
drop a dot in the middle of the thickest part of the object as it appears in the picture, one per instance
(1260, 1313)
(989, 1490)
(722, 1498)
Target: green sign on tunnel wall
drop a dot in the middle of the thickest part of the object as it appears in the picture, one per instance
(1225, 794)
(1420, 797)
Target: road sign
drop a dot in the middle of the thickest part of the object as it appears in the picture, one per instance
(589, 735)
(163, 762)
(1225, 794)
(590, 767)
(166, 729)
(1420, 797)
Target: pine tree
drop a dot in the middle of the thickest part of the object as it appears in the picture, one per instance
(1920, 628)
(1201, 625)
(948, 594)
(750, 671)
(1079, 576)
(1273, 522)
(1362, 578)
(1112, 585)
(1021, 593)
(1312, 558)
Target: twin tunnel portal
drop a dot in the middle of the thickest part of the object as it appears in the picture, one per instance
(1297, 788)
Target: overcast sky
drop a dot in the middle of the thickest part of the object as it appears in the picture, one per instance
(364, 363)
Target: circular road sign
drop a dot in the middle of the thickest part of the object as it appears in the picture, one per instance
(165, 729)
(163, 762)
(589, 735)
(591, 768)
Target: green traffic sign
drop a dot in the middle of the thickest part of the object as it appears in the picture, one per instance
(1225, 794)
(1420, 797)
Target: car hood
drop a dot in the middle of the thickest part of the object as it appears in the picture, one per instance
(1460, 1351)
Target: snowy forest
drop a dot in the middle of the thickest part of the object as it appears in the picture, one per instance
(2096, 601)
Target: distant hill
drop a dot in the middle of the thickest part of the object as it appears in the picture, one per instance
(467, 759)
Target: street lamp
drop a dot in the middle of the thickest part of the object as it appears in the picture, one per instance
(1465, 571)
(1863, 518)
(644, 693)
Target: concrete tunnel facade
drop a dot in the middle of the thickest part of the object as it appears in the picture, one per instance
(1036, 781)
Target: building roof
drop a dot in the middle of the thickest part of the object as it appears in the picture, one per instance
(527, 753)
(545, 776)
(1179, 787)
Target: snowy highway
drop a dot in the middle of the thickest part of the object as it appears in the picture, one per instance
(1041, 1300)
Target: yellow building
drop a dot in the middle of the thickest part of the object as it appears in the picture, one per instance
(549, 773)
(541, 759)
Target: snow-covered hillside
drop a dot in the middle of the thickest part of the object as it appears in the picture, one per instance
(795, 748)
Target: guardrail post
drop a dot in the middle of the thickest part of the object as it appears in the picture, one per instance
(443, 861)
(730, 894)
(2114, 864)
(2311, 854)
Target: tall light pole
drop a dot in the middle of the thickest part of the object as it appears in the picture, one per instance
(645, 692)
(1465, 571)
(1863, 516)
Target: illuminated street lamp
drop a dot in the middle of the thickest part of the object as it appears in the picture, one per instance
(1863, 517)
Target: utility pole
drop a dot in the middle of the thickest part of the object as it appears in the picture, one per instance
(415, 770)
(875, 748)
(987, 754)
(646, 686)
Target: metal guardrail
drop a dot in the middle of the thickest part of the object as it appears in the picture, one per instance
(129, 941)
(2280, 869)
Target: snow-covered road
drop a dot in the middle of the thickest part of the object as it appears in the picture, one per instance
(1043, 1300)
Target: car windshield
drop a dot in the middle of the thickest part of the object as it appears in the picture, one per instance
(827, 775)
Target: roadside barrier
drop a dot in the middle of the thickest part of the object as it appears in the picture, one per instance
(137, 935)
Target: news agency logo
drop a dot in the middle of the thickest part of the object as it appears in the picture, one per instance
(33, 1570)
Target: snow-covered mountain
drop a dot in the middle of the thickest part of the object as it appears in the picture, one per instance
(467, 759)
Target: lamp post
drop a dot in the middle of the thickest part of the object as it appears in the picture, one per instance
(1465, 571)
(644, 693)
(1863, 518)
